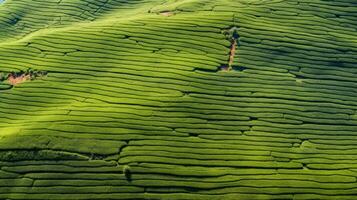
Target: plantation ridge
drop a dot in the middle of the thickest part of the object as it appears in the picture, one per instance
(178, 99)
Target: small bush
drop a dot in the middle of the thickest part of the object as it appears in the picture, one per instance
(127, 172)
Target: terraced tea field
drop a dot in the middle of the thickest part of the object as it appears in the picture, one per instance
(178, 99)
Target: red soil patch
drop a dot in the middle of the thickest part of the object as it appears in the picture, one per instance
(15, 80)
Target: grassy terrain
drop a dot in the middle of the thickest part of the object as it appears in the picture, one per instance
(134, 104)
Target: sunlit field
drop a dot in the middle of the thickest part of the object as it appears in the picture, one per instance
(178, 99)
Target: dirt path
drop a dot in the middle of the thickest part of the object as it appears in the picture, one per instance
(232, 54)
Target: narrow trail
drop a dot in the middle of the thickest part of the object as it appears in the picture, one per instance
(233, 37)
(232, 54)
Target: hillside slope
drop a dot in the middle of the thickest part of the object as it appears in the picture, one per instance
(178, 99)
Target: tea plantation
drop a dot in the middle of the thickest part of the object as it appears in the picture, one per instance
(178, 99)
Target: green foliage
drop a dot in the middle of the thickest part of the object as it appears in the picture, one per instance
(19, 155)
(133, 106)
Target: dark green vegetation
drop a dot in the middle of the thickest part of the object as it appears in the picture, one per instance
(134, 105)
